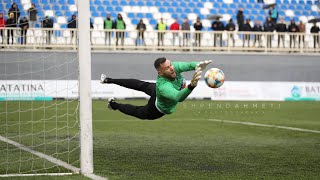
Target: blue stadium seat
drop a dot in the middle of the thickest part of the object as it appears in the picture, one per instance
(8, 6)
(170, 10)
(235, 1)
(221, 11)
(191, 5)
(132, 3)
(297, 13)
(149, 3)
(153, 22)
(232, 6)
(309, 2)
(174, 15)
(216, 5)
(301, 2)
(140, 15)
(109, 9)
(158, 4)
(61, 2)
(292, 7)
(307, 8)
(123, 3)
(94, 14)
(101, 8)
(44, 1)
(183, 4)
(294, 2)
(254, 12)
(149, 15)
(46, 7)
(166, 4)
(131, 15)
(281, 13)
(174, 4)
(106, 3)
(249, 6)
(140, 3)
(118, 9)
(224, 6)
(71, 2)
(213, 11)
(287, 19)
(114, 3)
(313, 13)
(97, 3)
(196, 11)
(55, 7)
(306, 13)
(103, 14)
(92, 8)
(229, 11)
(179, 10)
(162, 9)
(67, 13)
(58, 13)
(134, 21)
(260, 18)
(199, 5)
(66, 8)
(187, 10)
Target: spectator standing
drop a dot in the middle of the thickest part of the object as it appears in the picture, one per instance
(119, 25)
(2, 26)
(108, 27)
(269, 27)
(293, 28)
(15, 10)
(47, 23)
(24, 25)
(247, 28)
(231, 27)
(219, 27)
(281, 28)
(302, 30)
(185, 26)
(315, 33)
(198, 27)
(11, 23)
(32, 12)
(257, 37)
(175, 27)
(72, 24)
(161, 27)
(273, 13)
(141, 28)
(240, 19)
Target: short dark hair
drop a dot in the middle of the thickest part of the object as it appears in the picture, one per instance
(159, 61)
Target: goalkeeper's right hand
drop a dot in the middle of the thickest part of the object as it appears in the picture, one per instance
(196, 77)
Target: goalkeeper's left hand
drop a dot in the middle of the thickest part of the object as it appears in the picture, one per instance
(203, 64)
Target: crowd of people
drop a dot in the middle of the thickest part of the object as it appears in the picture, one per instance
(243, 25)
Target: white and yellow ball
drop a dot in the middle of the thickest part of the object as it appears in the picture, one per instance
(214, 78)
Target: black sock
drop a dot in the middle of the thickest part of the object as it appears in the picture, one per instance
(108, 80)
(114, 105)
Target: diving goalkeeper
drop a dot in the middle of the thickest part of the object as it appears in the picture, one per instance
(169, 89)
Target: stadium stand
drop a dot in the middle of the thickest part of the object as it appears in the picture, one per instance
(151, 11)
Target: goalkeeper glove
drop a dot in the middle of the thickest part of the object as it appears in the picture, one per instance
(196, 77)
(203, 64)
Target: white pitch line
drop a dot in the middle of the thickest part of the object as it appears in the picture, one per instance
(216, 120)
(265, 125)
(49, 158)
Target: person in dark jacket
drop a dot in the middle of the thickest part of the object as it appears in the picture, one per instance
(247, 28)
(16, 12)
(269, 27)
(11, 23)
(120, 25)
(24, 25)
(293, 28)
(2, 26)
(219, 27)
(240, 19)
(231, 27)
(257, 37)
(185, 26)
(141, 28)
(315, 33)
(47, 23)
(72, 24)
(198, 27)
(281, 28)
(32, 11)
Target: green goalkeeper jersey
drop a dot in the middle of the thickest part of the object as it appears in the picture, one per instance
(169, 93)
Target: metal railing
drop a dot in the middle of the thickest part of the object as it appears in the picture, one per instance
(227, 41)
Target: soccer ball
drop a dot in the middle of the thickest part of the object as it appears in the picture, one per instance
(214, 78)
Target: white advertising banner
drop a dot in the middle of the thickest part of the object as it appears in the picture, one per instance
(231, 90)
(267, 91)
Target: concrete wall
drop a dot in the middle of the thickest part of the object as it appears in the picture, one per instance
(241, 67)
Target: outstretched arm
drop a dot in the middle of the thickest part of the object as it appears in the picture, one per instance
(168, 91)
(189, 66)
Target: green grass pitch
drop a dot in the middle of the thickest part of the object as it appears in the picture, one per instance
(192, 143)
